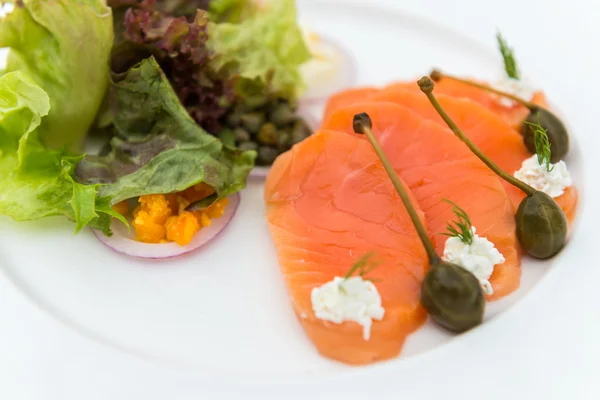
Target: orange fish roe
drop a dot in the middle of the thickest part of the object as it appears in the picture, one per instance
(216, 209)
(197, 192)
(172, 199)
(150, 217)
(121, 207)
(182, 228)
(162, 218)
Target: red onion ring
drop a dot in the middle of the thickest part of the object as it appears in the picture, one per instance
(345, 77)
(122, 242)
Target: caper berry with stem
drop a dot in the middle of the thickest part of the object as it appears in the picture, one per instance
(451, 295)
(558, 135)
(555, 129)
(541, 224)
(541, 227)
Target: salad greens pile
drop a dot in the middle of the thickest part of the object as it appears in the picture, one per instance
(158, 79)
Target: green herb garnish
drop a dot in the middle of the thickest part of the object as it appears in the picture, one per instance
(361, 268)
(542, 144)
(510, 63)
(461, 228)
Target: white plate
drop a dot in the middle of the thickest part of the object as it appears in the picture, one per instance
(79, 321)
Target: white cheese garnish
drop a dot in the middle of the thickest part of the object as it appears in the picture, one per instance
(519, 87)
(352, 299)
(536, 175)
(480, 257)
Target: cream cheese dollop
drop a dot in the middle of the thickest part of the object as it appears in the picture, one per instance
(479, 257)
(536, 175)
(348, 299)
(518, 87)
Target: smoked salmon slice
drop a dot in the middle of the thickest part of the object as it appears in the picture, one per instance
(492, 134)
(436, 165)
(347, 97)
(513, 115)
(329, 202)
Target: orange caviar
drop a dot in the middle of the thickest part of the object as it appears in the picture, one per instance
(121, 208)
(162, 218)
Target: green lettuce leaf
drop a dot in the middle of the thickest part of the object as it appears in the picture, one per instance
(55, 78)
(267, 47)
(232, 11)
(36, 182)
(64, 47)
(158, 148)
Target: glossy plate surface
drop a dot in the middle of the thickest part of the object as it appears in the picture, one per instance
(81, 321)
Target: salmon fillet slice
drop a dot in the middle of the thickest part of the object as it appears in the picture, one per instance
(436, 165)
(492, 134)
(329, 202)
(513, 115)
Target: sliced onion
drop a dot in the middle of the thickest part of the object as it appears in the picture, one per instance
(344, 74)
(122, 241)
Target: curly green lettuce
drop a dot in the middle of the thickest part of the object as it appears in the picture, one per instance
(36, 182)
(267, 47)
(55, 78)
(64, 47)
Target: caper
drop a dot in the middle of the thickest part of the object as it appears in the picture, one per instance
(233, 119)
(300, 131)
(283, 140)
(555, 129)
(451, 295)
(267, 134)
(541, 224)
(253, 121)
(558, 136)
(282, 115)
(241, 135)
(255, 101)
(266, 155)
(248, 146)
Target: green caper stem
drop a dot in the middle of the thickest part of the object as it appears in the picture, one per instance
(429, 249)
(436, 75)
(426, 86)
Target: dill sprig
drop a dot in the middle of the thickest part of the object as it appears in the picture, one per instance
(510, 63)
(542, 144)
(461, 228)
(362, 266)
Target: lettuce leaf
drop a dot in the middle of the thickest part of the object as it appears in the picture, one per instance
(64, 47)
(268, 47)
(231, 10)
(55, 77)
(158, 148)
(36, 182)
(180, 48)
